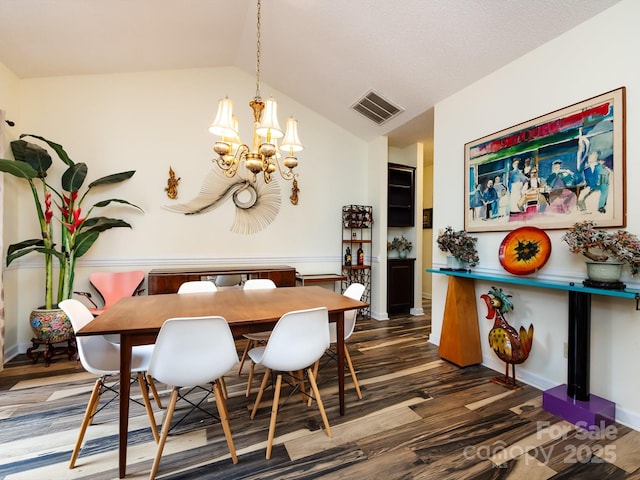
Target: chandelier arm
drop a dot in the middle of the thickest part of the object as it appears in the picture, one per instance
(286, 174)
(231, 167)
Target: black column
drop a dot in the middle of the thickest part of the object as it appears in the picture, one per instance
(579, 345)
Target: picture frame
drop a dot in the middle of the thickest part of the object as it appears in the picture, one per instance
(427, 218)
(551, 171)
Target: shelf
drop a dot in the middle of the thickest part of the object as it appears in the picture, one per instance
(572, 286)
(400, 195)
(357, 237)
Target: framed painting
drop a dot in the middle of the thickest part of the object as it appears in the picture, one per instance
(427, 218)
(552, 171)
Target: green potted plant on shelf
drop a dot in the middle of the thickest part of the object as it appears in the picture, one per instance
(460, 245)
(401, 245)
(59, 208)
(606, 252)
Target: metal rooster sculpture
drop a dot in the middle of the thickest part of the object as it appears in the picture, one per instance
(511, 346)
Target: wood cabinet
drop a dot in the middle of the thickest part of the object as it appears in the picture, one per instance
(401, 196)
(169, 280)
(400, 285)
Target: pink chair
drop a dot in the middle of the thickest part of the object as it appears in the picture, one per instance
(112, 286)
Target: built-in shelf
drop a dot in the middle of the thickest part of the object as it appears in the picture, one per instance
(400, 196)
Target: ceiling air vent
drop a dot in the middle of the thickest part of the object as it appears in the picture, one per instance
(376, 108)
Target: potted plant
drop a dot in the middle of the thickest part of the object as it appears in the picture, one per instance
(59, 208)
(606, 251)
(401, 244)
(460, 245)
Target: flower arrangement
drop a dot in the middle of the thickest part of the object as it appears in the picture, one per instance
(64, 207)
(400, 244)
(601, 246)
(459, 244)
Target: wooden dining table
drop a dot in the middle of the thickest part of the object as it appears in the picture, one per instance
(138, 320)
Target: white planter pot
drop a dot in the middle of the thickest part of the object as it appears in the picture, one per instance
(452, 262)
(604, 271)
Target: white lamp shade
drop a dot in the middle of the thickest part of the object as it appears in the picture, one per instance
(223, 124)
(291, 142)
(269, 122)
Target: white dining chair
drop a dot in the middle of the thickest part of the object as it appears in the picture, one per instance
(197, 286)
(354, 291)
(297, 341)
(203, 286)
(190, 352)
(228, 280)
(257, 338)
(102, 357)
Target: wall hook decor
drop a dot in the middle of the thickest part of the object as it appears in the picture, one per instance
(172, 185)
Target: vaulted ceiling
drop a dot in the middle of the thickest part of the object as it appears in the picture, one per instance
(326, 54)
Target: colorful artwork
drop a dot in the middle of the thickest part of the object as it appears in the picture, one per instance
(524, 250)
(551, 171)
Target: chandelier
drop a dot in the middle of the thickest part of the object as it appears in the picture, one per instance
(262, 156)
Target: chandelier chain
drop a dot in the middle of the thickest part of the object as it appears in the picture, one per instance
(258, 53)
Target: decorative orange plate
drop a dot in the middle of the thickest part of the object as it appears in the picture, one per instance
(524, 250)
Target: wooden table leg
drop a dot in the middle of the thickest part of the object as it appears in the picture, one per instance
(125, 387)
(340, 347)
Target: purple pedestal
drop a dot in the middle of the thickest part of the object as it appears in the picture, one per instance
(593, 413)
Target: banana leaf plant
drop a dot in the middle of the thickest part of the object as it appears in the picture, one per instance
(62, 206)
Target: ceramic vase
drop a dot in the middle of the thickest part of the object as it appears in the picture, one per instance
(50, 325)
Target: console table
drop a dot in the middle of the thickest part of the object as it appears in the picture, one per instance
(572, 401)
(169, 280)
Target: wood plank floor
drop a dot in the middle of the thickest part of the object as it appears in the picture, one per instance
(420, 418)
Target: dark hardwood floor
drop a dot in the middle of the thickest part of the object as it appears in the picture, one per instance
(420, 418)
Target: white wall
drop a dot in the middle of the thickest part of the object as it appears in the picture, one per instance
(596, 57)
(9, 93)
(148, 122)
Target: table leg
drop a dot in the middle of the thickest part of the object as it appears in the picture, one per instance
(125, 387)
(340, 347)
(579, 344)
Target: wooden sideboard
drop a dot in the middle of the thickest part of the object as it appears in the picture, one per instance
(169, 280)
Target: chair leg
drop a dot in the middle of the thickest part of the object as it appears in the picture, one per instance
(274, 415)
(303, 388)
(223, 388)
(323, 414)
(97, 402)
(147, 405)
(263, 385)
(166, 425)
(353, 372)
(221, 403)
(250, 379)
(154, 391)
(244, 355)
(93, 401)
(316, 367)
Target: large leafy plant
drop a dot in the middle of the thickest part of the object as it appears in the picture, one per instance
(62, 206)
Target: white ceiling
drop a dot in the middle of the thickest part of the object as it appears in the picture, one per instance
(323, 53)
